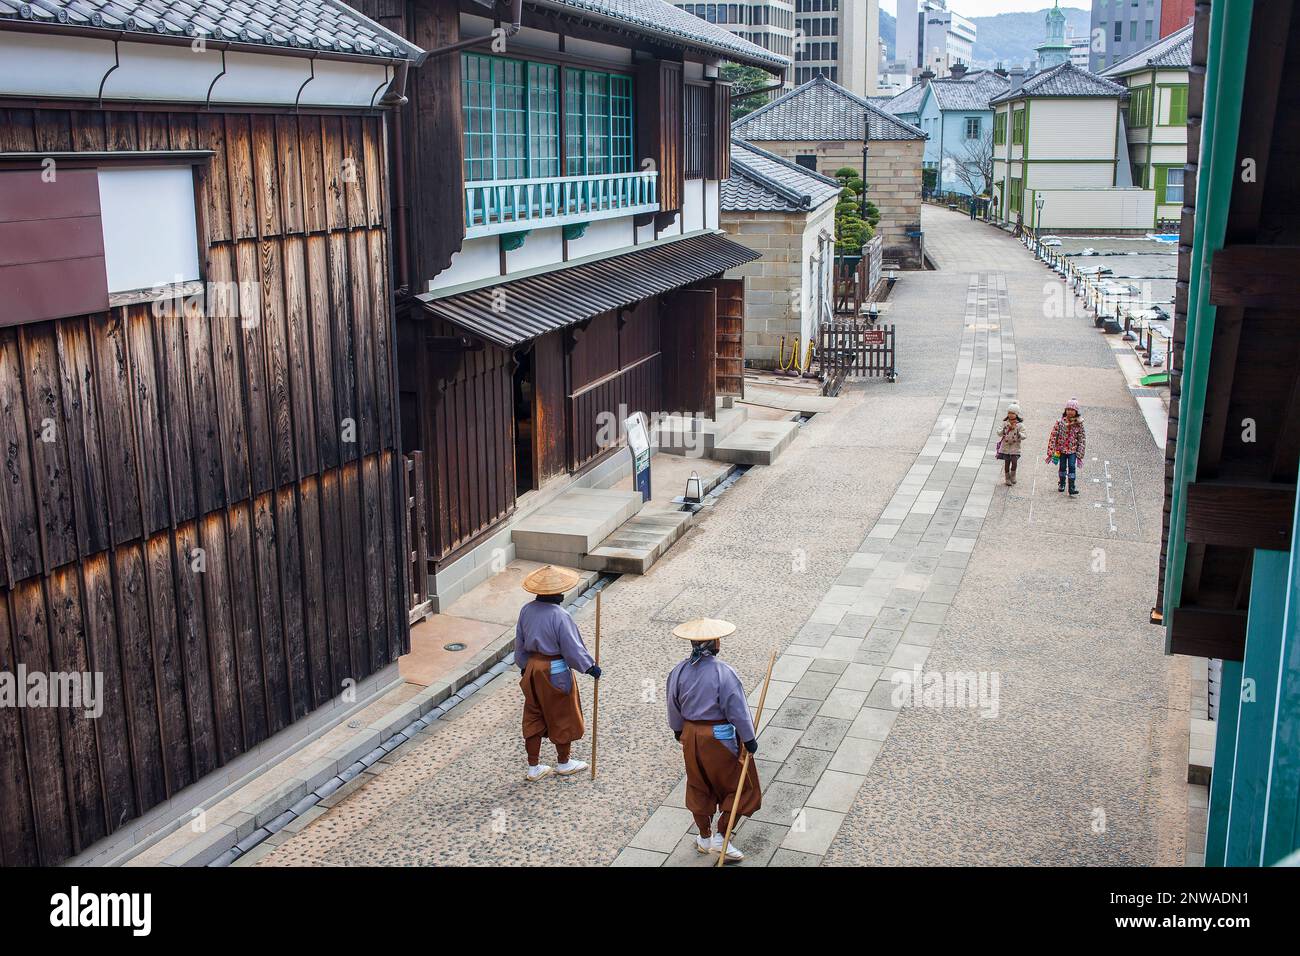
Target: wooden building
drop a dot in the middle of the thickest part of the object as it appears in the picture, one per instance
(560, 256)
(1230, 582)
(202, 500)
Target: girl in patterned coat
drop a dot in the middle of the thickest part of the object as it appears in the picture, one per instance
(1066, 445)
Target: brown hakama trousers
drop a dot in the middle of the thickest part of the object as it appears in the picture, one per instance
(548, 711)
(712, 773)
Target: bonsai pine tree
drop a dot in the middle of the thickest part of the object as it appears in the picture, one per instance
(851, 229)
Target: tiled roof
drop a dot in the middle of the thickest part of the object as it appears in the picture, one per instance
(324, 25)
(908, 101)
(1172, 51)
(821, 110)
(1065, 79)
(971, 92)
(658, 18)
(761, 181)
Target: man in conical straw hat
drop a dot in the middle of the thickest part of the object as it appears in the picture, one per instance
(708, 713)
(548, 648)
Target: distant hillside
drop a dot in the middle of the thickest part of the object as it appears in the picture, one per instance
(1011, 37)
(1007, 37)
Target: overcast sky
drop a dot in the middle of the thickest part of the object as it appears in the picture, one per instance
(986, 8)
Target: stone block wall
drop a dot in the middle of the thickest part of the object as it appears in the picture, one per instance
(893, 178)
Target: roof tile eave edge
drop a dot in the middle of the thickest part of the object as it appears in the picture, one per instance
(756, 56)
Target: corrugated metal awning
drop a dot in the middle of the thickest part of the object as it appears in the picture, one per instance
(537, 304)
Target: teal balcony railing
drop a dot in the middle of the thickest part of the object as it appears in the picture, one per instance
(509, 205)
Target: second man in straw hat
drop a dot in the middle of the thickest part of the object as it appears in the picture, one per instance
(548, 648)
(708, 713)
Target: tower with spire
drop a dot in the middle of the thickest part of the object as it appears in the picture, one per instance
(1054, 50)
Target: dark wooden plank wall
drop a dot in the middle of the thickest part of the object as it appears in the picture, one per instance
(459, 406)
(189, 443)
(550, 409)
(615, 370)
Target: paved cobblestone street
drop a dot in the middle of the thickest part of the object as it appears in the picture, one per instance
(882, 544)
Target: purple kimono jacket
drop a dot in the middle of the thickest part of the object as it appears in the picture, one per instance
(546, 628)
(709, 691)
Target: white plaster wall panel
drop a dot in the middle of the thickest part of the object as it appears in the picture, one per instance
(174, 73)
(253, 78)
(693, 205)
(339, 82)
(543, 247)
(478, 259)
(712, 204)
(1054, 175)
(36, 65)
(1072, 128)
(603, 235)
(1098, 209)
(147, 214)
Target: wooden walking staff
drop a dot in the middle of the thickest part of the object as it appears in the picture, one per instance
(744, 764)
(595, 693)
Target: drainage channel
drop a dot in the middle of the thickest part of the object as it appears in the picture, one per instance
(420, 724)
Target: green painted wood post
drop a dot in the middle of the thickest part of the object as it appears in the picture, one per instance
(1225, 81)
(1282, 812)
(1225, 747)
(1254, 749)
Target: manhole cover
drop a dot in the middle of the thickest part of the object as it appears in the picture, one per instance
(453, 646)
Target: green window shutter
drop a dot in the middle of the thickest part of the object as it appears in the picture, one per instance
(1161, 175)
(1178, 106)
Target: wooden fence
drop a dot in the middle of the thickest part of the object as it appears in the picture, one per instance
(855, 350)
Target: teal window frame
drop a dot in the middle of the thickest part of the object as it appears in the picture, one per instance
(599, 121)
(518, 112)
(974, 127)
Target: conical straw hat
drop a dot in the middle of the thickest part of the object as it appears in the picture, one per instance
(703, 629)
(551, 579)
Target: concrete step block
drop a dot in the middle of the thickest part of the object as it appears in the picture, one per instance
(575, 522)
(679, 434)
(638, 543)
(756, 442)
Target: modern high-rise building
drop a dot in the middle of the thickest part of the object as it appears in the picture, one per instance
(1080, 50)
(1121, 28)
(767, 23)
(838, 39)
(930, 35)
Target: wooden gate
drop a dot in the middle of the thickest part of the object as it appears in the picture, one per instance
(729, 339)
(853, 350)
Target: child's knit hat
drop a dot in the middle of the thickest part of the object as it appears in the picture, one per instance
(1072, 404)
(1013, 407)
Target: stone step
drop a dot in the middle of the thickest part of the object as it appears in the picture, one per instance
(573, 524)
(756, 442)
(638, 543)
(685, 435)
